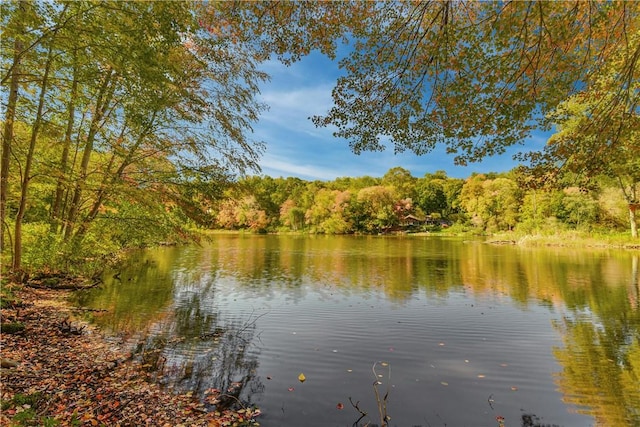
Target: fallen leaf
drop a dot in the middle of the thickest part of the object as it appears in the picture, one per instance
(302, 378)
(340, 406)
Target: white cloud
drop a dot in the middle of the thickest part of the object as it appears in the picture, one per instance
(275, 166)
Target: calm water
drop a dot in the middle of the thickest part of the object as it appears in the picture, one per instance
(456, 332)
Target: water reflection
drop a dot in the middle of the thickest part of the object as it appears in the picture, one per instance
(601, 360)
(226, 315)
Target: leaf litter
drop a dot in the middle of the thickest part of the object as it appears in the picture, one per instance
(74, 376)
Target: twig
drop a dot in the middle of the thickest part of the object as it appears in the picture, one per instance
(251, 323)
(357, 408)
(382, 404)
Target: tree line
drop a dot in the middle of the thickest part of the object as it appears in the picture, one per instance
(398, 201)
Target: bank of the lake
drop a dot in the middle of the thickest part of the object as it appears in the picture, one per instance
(566, 239)
(59, 370)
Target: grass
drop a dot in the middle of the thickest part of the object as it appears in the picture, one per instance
(26, 414)
(572, 239)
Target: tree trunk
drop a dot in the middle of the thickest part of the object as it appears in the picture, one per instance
(17, 249)
(632, 219)
(56, 210)
(105, 186)
(102, 103)
(7, 134)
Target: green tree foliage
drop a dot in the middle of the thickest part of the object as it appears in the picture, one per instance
(577, 208)
(120, 114)
(431, 196)
(492, 203)
(401, 180)
(489, 202)
(377, 206)
(598, 129)
(475, 76)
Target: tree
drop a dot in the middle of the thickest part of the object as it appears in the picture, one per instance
(598, 129)
(17, 20)
(377, 205)
(474, 76)
(431, 197)
(329, 212)
(291, 216)
(501, 203)
(149, 109)
(402, 181)
(577, 208)
(471, 196)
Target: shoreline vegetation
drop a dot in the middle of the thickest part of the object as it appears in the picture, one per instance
(573, 239)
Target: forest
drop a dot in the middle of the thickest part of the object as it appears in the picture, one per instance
(118, 135)
(398, 202)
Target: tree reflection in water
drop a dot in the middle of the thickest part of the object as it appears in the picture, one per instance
(192, 347)
(601, 360)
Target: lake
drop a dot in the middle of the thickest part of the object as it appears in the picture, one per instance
(426, 331)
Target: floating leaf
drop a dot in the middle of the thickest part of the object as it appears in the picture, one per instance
(291, 389)
(444, 383)
(302, 378)
(340, 406)
(480, 376)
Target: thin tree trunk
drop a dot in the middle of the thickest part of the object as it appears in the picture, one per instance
(7, 134)
(632, 220)
(56, 209)
(17, 249)
(102, 103)
(104, 187)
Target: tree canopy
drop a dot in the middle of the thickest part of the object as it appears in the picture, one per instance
(477, 76)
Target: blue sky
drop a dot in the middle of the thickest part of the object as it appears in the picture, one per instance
(295, 147)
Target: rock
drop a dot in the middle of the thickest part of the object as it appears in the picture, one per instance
(8, 363)
(11, 328)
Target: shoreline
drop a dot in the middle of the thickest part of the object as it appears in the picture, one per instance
(568, 240)
(60, 370)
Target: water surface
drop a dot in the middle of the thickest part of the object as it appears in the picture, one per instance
(456, 332)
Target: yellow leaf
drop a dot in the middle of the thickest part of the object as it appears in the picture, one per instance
(302, 378)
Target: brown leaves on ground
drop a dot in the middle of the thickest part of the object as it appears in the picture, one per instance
(83, 379)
